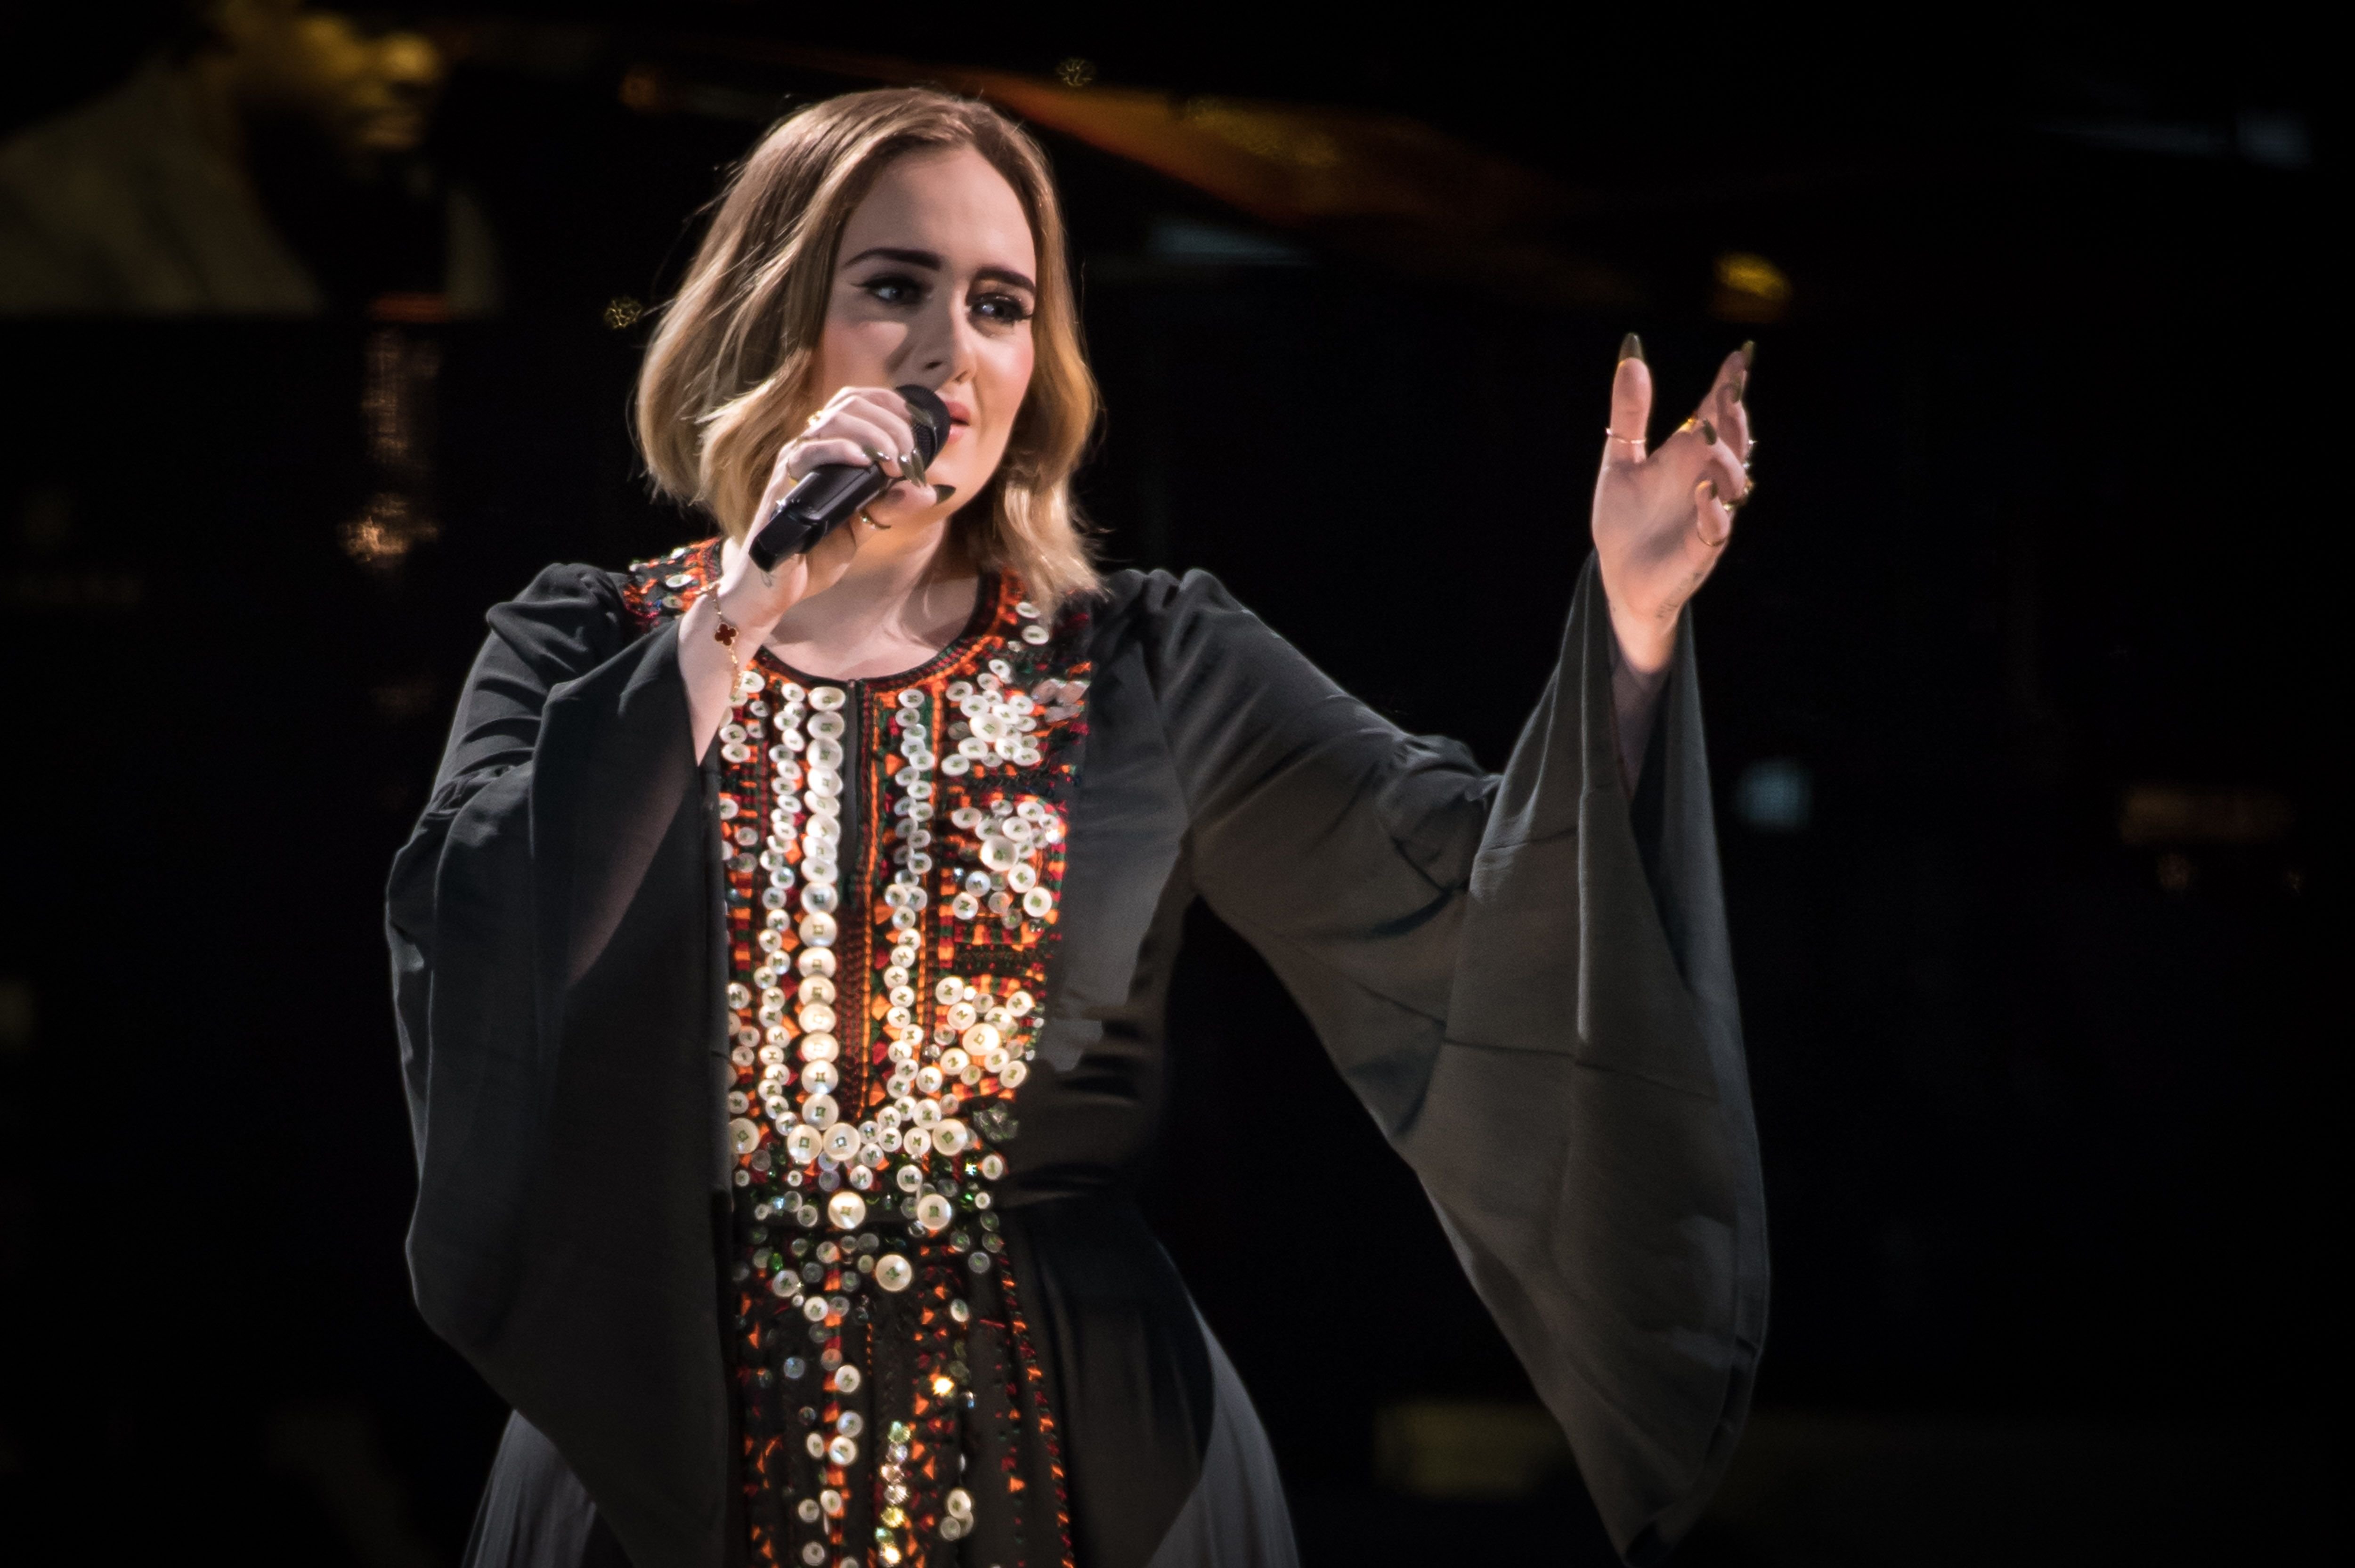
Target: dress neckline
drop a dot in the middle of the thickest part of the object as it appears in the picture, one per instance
(988, 608)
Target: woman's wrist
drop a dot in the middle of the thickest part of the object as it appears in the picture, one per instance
(1639, 672)
(1643, 645)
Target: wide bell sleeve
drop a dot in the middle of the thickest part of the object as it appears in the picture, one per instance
(1538, 1009)
(558, 984)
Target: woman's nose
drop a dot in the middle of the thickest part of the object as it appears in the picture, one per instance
(938, 349)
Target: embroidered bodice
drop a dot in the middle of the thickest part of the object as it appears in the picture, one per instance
(893, 856)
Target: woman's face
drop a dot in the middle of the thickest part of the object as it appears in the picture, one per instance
(935, 283)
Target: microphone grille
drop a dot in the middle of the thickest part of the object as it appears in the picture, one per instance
(929, 418)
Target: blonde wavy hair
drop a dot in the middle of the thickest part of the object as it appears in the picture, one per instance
(731, 372)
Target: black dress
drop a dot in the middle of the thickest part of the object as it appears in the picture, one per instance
(777, 1115)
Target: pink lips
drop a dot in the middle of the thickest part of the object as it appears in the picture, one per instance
(959, 416)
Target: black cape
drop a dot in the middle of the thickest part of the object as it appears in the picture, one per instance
(1533, 999)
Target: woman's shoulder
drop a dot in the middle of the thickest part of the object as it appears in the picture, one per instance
(1169, 614)
(573, 613)
(660, 587)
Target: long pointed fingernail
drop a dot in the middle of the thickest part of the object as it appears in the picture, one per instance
(1709, 433)
(1632, 347)
(1740, 385)
(945, 491)
(1749, 353)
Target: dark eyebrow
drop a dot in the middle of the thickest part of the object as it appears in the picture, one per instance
(912, 258)
(931, 263)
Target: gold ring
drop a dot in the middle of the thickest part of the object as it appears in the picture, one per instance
(1613, 435)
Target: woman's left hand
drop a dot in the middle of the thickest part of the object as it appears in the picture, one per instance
(1662, 518)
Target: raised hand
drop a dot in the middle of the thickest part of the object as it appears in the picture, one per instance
(1662, 518)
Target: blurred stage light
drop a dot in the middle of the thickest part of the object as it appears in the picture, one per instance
(1749, 288)
(2153, 814)
(1776, 795)
(1468, 1448)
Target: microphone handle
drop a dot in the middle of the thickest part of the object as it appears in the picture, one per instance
(823, 500)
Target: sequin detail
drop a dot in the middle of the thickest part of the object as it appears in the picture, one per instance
(893, 853)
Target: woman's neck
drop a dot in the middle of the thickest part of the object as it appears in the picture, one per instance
(902, 600)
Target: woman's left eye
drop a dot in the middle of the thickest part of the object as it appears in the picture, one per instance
(1007, 310)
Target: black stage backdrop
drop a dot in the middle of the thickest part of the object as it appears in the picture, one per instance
(2020, 676)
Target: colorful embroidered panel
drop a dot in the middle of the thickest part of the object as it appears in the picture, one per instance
(893, 853)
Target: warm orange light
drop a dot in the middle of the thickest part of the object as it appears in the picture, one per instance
(1749, 288)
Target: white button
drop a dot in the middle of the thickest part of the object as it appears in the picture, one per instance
(847, 1379)
(846, 1210)
(959, 1502)
(992, 1165)
(1037, 903)
(820, 1046)
(816, 988)
(814, 1308)
(910, 1179)
(801, 1143)
(818, 930)
(819, 1111)
(745, 1133)
(951, 1137)
(979, 1041)
(842, 1451)
(841, 1143)
(1012, 1074)
(816, 1019)
(933, 1212)
(815, 961)
(952, 1061)
(824, 698)
(894, 1274)
(820, 1078)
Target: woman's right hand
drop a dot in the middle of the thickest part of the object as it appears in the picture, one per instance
(859, 426)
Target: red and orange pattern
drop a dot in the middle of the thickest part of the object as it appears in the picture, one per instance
(891, 1399)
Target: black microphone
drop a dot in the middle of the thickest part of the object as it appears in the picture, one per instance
(827, 498)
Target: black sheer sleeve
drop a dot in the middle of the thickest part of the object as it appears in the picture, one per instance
(558, 979)
(1545, 1028)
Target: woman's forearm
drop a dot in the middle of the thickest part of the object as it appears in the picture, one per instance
(1637, 680)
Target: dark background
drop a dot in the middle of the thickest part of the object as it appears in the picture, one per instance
(2051, 476)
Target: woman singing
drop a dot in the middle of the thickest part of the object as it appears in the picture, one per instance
(781, 958)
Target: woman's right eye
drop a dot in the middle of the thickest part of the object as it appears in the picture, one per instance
(894, 288)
